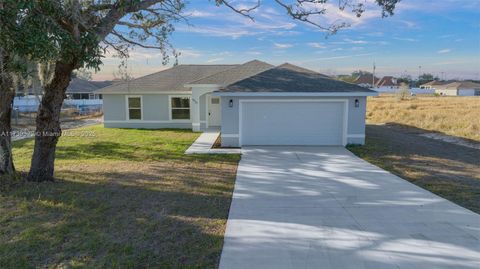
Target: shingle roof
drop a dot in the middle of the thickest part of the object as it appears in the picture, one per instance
(387, 81)
(78, 85)
(434, 83)
(300, 69)
(460, 85)
(235, 74)
(365, 79)
(169, 80)
(290, 78)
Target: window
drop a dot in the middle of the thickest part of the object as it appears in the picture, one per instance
(134, 108)
(180, 108)
(215, 101)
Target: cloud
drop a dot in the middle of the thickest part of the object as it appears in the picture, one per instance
(282, 45)
(406, 39)
(215, 60)
(223, 22)
(350, 41)
(443, 51)
(316, 45)
(254, 53)
(189, 53)
(337, 57)
(200, 14)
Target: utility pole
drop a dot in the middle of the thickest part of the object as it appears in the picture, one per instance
(373, 76)
(419, 71)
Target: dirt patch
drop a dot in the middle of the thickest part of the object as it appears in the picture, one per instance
(453, 140)
(446, 169)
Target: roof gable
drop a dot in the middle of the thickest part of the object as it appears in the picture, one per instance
(234, 74)
(290, 78)
(169, 80)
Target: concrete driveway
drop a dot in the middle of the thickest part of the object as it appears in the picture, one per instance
(322, 207)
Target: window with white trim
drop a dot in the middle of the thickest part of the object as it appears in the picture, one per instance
(180, 108)
(134, 108)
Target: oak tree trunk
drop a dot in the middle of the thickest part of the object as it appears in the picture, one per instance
(48, 129)
(7, 93)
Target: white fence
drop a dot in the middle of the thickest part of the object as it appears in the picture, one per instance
(412, 90)
(30, 103)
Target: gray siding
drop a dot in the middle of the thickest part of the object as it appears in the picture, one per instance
(230, 118)
(114, 107)
(155, 113)
(155, 107)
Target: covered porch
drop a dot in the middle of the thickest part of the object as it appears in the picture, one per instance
(205, 109)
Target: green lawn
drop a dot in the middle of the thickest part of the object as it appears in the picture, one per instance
(123, 199)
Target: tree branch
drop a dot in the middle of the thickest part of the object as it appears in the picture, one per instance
(121, 37)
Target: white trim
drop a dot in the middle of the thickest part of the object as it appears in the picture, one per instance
(356, 135)
(137, 93)
(127, 111)
(170, 107)
(230, 135)
(143, 121)
(195, 124)
(345, 116)
(293, 94)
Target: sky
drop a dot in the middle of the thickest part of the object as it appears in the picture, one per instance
(441, 37)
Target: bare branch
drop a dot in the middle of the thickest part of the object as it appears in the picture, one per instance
(242, 11)
(123, 38)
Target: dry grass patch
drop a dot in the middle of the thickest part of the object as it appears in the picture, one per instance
(457, 116)
(446, 169)
(123, 199)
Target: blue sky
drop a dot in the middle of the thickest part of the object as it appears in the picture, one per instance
(438, 35)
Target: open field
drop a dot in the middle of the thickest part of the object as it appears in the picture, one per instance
(457, 116)
(123, 199)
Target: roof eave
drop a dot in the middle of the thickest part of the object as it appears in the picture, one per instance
(292, 94)
(204, 85)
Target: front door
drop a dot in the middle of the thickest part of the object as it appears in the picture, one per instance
(214, 109)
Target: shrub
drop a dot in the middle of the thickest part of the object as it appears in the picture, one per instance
(403, 92)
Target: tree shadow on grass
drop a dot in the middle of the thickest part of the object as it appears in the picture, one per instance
(117, 151)
(160, 217)
(449, 170)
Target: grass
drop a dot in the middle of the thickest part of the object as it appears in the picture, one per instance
(448, 170)
(457, 116)
(123, 199)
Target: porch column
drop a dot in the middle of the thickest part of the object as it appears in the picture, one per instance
(195, 110)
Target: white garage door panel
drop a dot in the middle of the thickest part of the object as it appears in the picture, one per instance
(292, 123)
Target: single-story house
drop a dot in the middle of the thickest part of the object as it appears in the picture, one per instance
(82, 89)
(460, 88)
(431, 85)
(387, 84)
(366, 80)
(254, 103)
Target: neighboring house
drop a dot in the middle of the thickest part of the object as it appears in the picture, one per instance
(387, 84)
(460, 88)
(366, 80)
(80, 94)
(433, 84)
(81, 89)
(254, 103)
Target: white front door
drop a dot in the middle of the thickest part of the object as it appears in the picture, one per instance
(214, 111)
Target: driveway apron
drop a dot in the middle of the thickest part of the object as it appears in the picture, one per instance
(323, 207)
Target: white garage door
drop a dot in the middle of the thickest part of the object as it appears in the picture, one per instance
(292, 122)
